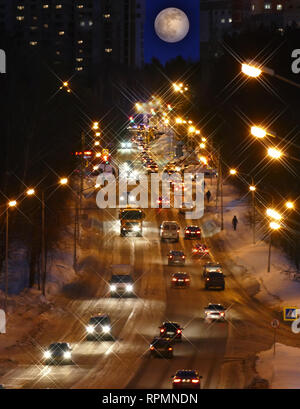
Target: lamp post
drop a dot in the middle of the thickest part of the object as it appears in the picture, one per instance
(11, 204)
(273, 226)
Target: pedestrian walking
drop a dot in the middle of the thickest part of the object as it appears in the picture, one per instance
(208, 196)
(234, 222)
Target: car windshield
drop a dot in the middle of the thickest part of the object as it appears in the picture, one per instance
(193, 228)
(215, 274)
(171, 326)
(59, 346)
(159, 343)
(180, 275)
(176, 253)
(186, 374)
(132, 215)
(121, 279)
(216, 307)
(99, 320)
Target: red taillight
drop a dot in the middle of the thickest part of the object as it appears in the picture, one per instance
(206, 251)
(179, 331)
(222, 313)
(151, 348)
(198, 231)
(177, 380)
(182, 256)
(187, 279)
(170, 256)
(207, 279)
(195, 380)
(162, 330)
(174, 279)
(187, 232)
(170, 349)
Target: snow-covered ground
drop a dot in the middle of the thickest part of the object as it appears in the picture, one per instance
(281, 370)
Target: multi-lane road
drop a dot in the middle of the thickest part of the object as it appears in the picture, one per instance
(124, 363)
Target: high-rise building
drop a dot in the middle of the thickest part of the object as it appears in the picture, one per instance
(77, 34)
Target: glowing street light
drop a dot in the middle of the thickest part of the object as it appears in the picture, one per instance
(202, 145)
(97, 143)
(289, 205)
(12, 203)
(65, 84)
(273, 214)
(252, 188)
(274, 153)
(203, 159)
(63, 181)
(30, 192)
(96, 125)
(258, 132)
(251, 70)
(233, 172)
(97, 134)
(178, 121)
(274, 225)
(192, 129)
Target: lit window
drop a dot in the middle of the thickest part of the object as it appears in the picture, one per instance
(57, 52)
(108, 50)
(80, 6)
(90, 23)
(46, 25)
(20, 7)
(106, 15)
(79, 59)
(252, 7)
(33, 42)
(45, 6)
(279, 7)
(79, 41)
(79, 68)
(58, 6)
(61, 33)
(230, 20)
(33, 28)
(80, 51)
(267, 6)
(222, 20)
(20, 18)
(34, 18)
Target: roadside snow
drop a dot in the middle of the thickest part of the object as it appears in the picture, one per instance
(283, 370)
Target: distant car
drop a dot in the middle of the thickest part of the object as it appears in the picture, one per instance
(215, 312)
(152, 169)
(200, 250)
(171, 330)
(58, 353)
(176, 257)
(180, 280)
(214, 280)
(169, 230)
(186, 379)
(211, 267)
(99, 327)
(192, 232)
(161, 347)
(126, 145)
(186, 207)
(121, 285)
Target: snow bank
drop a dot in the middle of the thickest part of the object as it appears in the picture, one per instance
(283, 370)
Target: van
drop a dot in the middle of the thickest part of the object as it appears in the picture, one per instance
(169, 230)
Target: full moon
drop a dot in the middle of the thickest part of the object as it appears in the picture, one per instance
(172, 25)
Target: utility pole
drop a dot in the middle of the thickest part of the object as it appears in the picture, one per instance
(76, 231)
(81, 172)
(253, 211)
(269, 253)
(6, 261)
(43, 261)
(221, 191)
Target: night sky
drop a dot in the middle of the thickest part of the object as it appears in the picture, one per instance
(188, 47)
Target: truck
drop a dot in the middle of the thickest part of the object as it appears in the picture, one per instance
(121, 282)
(131, 221)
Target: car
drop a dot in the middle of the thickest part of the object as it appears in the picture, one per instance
(180, 280)
(192, 232)
(171, 330)
(210, 267)
(58, 353)
(126, 145)
(152, 169)
(163, 202)
(200, 250)
(176, 257)
(99, 327)
(169, 230)
(161, 347)
(186, 207)
(215, 312)
(121, 285)
(214, 279)
(186, 379)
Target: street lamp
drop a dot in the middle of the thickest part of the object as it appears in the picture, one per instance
(251, 70)
(233, 172)
(11, 204)
(274, 153)
(273, 214)
(274, 226)
(289, 205)
(63, 181)
(30, 192)
(96, 125)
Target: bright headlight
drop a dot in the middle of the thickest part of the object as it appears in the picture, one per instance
(106, 328)
(67, 355)
(123, 145)
(113, 288)
(136, 228)
(129, 287)
(128, 145)
(47, 354)
(90, 329)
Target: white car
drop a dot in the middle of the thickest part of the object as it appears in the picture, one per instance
(215, 312)
(169, 230)
(126, 145)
